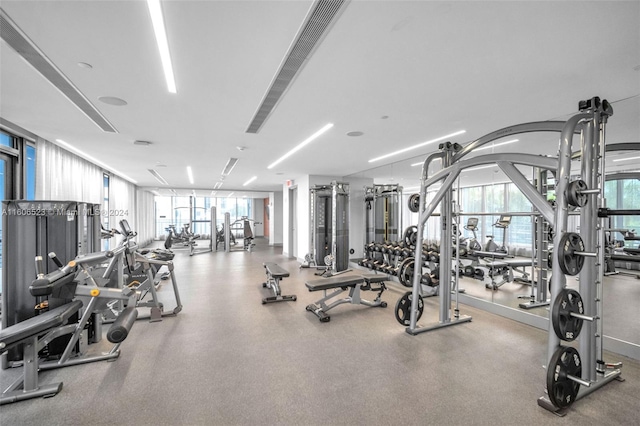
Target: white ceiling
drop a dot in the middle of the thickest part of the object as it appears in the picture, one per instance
(432, 67)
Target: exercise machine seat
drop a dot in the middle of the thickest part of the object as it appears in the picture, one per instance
(334, 282)
(37, 325)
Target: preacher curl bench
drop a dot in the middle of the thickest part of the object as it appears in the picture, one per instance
(342, 283)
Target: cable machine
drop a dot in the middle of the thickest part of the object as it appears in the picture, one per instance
(384, 213)
(329, 219)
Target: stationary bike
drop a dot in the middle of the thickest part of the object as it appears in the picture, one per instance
(472, 226)
(502, 223)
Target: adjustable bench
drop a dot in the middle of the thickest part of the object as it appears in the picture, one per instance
(274, 274)
(342, 283)
(28, 333)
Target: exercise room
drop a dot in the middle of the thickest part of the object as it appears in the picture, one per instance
(319, 212)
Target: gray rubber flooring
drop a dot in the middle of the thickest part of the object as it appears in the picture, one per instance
(226, 359)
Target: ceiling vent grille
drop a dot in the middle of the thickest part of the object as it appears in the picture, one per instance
(26, 48)
(323, 13)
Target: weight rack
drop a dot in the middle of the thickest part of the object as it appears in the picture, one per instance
(573, 373)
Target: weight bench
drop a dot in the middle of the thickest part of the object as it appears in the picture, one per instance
(353, 283)
(28, 333)
(274, 274)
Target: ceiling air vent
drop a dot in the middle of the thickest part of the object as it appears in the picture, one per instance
(26, 48)
(323, 13)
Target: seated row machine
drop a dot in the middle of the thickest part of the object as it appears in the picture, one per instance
(37, 332)
(342, 283)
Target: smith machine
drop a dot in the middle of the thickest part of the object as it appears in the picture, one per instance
(571, 373)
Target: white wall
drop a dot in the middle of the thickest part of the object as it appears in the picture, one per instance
(276, 224)
(258, 217)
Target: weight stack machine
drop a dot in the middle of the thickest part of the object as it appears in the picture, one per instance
(384, 213)
(36, 228)
(329, 214)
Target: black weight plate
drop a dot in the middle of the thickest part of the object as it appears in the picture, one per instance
(570, 263)
(405, 272)
(562, 390)
(403, 308)
(414, 203)
(411, 236)
(566, 326)
(574, 196)
(469, 271)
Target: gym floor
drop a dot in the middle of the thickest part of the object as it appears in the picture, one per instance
(226, 359)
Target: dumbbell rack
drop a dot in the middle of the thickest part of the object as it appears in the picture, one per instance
(573, 373)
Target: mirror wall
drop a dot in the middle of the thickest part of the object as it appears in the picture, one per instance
(486, 193)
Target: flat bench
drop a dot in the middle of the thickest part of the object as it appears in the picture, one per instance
(28, 333)
(275, 273)
(505, 268)
(354, 284)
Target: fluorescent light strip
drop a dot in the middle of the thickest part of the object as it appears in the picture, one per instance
(218, 185)
(230, 194)
(190, 174)
(479, 168)
(250, 180)
(161, 39)
(231, 163)
(496, 145)
(417, 146)
(158, 177)
(94, 160)
(301, 145)
(625, 159)
(422, 162)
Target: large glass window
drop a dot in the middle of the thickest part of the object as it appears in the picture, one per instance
(175, 211)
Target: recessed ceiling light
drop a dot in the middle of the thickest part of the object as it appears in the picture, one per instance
(158, 177)
(240, 148)
(420, 145)
(384, 117)
(250, 180)
(479, 168)
(356, 133)
(93, 159)
(142, 143)
(160, 165)
(155, 10)
(85, 65)
(112, 100)
(190, 174)
(301, 145)
(494, 145)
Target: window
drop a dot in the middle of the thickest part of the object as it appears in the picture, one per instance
(105, 208)
(6, 140)
(175, 211)
(30, 173)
